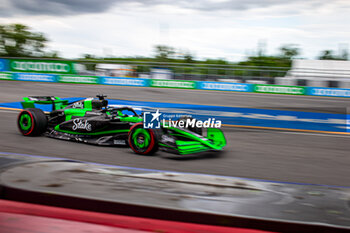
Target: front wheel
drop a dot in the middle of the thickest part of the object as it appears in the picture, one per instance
(142, 141)
(32, 122)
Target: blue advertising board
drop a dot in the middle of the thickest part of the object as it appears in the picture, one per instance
(34, 77)
(4, 65)
(280, 119)
(325, 91)
(121, 81)
(223, 86)
(249, 116)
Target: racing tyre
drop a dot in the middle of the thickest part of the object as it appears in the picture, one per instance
(142, 141)
(32, 122)
(193, 129)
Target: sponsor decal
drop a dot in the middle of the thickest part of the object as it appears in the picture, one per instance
(78, 79)
(153, 121)
(124, 81)
(166, 138)
(42, 66)
(173, 83)
(5, 76)
(335, 92)
(279, 89)
(81, 124)
(35, 77)
(222, 86)
(119, 142)
(78, 105)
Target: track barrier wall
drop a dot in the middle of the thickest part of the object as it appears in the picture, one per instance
(266, 118)
(39, 66)
(164, 83)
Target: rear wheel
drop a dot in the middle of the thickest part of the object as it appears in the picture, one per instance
(32, 122)
(142, 141)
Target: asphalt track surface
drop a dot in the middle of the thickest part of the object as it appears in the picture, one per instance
(258, 154)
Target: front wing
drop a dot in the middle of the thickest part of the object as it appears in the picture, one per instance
(184, 142)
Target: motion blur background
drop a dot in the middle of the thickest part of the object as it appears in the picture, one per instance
(276, 72)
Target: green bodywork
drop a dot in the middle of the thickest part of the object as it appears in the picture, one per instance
(105, 132)
(215, 140)
(57, 103)
(190, 142)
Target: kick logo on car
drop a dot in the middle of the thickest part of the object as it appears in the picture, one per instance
(78, 105)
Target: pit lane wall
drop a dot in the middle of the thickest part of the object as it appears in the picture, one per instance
(182, 84)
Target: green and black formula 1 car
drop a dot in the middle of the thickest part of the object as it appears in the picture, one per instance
(92, 121)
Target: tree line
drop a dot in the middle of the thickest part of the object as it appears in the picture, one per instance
(18, 40)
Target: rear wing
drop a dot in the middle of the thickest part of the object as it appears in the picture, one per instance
(56, 102)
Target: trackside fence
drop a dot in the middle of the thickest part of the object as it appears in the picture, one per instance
(182, 84)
